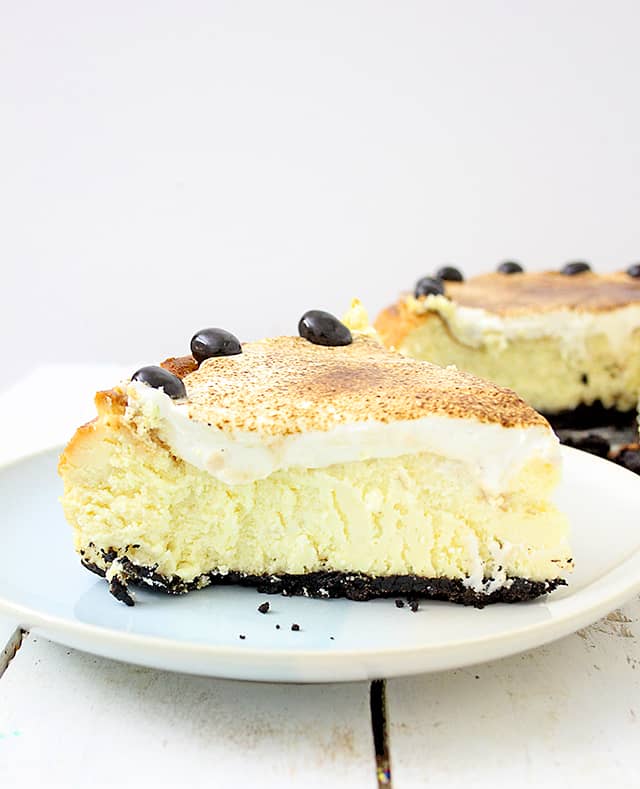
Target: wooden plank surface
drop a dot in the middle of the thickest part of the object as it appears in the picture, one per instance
(567, 714)
(72, 720)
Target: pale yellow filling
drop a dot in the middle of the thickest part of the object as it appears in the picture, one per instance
(416, 514)
(540, 370)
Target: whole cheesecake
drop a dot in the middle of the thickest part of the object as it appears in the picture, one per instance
(568, 342)
(322, 465)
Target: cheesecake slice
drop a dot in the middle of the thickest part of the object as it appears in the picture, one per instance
(568, 343)
(322, 470)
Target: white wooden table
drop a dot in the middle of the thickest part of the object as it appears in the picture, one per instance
(567, 714)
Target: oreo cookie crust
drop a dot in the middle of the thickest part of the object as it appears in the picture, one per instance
(595, 415)
(328, 585)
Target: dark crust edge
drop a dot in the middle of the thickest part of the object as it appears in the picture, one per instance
(586, 416)
(628, 456)
(325, 585)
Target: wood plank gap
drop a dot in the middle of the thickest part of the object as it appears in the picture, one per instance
(9, 650)
(378, 703)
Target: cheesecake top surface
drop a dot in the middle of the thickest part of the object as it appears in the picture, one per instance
(287, 385)
(545, 291)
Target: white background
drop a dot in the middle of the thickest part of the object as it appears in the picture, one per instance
(167, 166)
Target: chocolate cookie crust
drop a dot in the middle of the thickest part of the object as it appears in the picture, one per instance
(584, 417)
(324, 585)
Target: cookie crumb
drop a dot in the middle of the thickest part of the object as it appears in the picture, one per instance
(264, 607)
(414, 605)
(629, 458)
(242, 638)
(119, 590)
(295, 627)
(399, 603)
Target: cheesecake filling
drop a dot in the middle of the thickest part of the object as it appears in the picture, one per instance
(493, 454)
(476, 327)
(416, 518)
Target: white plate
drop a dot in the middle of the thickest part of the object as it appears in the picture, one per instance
(43, 587)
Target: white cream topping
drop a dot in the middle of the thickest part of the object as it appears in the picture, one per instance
(493, 453)
(477, 327)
